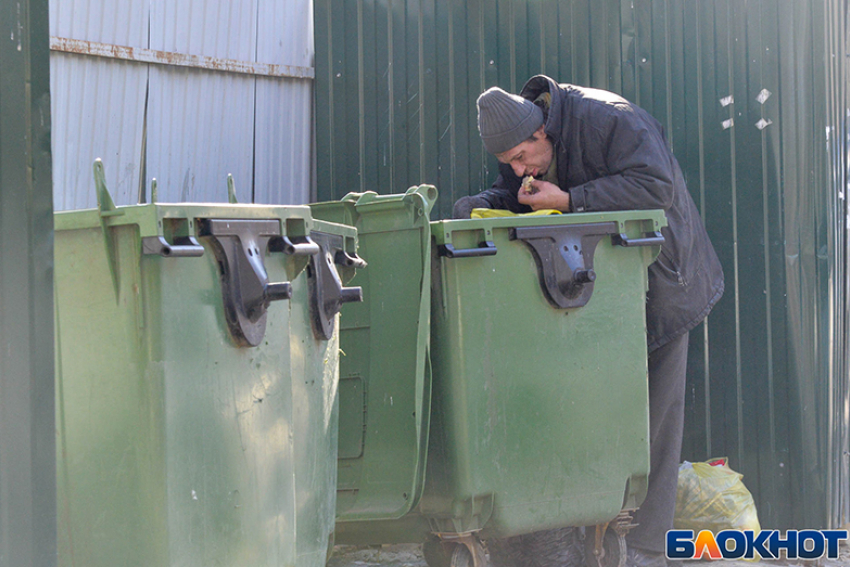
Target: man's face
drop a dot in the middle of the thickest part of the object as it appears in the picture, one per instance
(531, 157)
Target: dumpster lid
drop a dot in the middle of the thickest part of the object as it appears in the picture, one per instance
(563, 246)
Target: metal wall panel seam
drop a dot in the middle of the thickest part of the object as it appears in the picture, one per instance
(324, 100)
(411, 102)
(769, 266)
(831, 293)
(512, 47)
(736, 261)
(794, 163)
(391, 118)
(839, 354)
(422, 113)
(629, 46)
(83, 47)
(766, 480)
(361, 99)
(844, 502)
(702, 209)
(451, 129)
(755, 246)
(668, 75)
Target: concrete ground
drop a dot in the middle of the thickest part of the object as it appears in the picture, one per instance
(411, 556)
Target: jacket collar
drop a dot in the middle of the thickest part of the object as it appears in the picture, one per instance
(540, 84)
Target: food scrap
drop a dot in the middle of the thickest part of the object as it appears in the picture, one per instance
(527, 187)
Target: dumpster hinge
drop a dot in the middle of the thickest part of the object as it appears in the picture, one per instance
(240, 246)
(327, 293)
(564, 257)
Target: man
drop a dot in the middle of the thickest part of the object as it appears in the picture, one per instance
(591, 150)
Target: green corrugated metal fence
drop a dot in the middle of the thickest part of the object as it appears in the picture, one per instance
(27, 444)
(753, 96)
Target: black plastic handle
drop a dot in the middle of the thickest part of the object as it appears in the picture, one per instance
(277, 291)
(347, 260)
(158, 245)
(486, 248)
(649, 239)
(351, 294)
(296, 246)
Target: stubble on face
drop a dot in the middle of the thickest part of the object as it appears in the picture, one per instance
(531, 157)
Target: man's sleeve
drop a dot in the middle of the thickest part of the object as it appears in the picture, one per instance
(640, 167)
(502, 195)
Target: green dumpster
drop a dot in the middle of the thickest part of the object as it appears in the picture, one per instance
(385, 380)
(539, 403)
(197, 350)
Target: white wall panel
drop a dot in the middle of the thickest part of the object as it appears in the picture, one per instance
(283, 136)
(200, 124)
(285, 32)
(216, 28)
(200, 128)
(123, 22)
(97, 104)
(283, 141)
(97, 108)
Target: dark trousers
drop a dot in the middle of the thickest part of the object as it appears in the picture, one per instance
(667, 366)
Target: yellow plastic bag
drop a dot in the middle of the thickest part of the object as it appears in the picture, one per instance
(711, 496)
(496, 213)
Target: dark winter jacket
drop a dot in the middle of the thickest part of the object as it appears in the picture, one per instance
(612, 155)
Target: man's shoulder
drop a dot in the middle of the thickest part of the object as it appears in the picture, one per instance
(593, 98)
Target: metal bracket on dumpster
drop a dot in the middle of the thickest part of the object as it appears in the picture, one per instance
(326, 291)
(239, 246)
(564, 257)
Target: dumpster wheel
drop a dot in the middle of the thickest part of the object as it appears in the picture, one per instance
(454, 550)
(611, 553)
(605, 545)
(461, 556)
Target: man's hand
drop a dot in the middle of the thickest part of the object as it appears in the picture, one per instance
(545, 196)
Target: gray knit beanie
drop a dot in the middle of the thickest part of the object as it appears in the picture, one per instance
(506, 120)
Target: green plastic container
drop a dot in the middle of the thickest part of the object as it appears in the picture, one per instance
(539, 402)
(197, 383)
(385, 378)
(540, 413)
